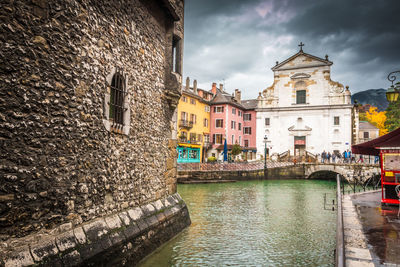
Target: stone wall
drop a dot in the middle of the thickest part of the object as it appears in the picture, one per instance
(60, 160)
(287, 172)
(123, 238)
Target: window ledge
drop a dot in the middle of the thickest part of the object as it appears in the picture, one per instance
(295, 104)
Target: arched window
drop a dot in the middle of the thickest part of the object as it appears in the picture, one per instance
(117, 96)
(116, 105)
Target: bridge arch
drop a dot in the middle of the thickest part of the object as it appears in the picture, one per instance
(311, 169)
(323, 175)
(349, 171)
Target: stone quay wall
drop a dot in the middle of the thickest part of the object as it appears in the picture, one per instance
(123, 238)
(286, 172)
(63, 159)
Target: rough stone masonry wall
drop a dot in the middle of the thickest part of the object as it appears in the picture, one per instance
(58, 163)
(123, 238)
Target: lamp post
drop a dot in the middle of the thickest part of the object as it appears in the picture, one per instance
(392, 93)
(265, 157)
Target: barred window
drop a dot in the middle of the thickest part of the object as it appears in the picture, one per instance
(117, 96)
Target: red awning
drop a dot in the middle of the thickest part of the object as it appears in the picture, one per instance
(391, 139)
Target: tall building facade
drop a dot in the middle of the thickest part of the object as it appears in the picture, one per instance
(304, 110)
(234, 121)
(193, 123)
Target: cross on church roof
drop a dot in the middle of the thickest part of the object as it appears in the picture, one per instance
(301, 46)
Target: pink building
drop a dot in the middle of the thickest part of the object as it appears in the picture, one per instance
(233, 120)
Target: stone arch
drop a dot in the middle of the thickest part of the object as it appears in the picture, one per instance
(310, 169)
(300, 85)
(323, 175)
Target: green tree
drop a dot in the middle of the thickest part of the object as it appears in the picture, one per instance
(393, 116)
(236, 150)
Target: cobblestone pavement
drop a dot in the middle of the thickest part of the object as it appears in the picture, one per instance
(373, 233)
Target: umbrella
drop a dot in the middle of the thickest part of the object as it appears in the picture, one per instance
(225, 151)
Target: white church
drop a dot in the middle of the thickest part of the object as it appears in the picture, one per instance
(304, 110)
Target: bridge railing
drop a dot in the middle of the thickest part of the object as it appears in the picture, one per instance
(236, 166)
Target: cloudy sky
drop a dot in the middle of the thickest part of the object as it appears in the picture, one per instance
(236, 42)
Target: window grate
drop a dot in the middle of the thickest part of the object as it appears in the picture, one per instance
(117, 98)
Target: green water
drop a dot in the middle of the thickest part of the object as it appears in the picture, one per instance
(254, 223)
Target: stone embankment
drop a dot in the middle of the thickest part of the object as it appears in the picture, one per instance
(238, 171)
(119, 239)
(211, 172)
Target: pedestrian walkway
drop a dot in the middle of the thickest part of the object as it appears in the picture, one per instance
(372, 234)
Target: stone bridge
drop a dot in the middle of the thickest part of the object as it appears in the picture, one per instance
(279, 170)
(361, 172)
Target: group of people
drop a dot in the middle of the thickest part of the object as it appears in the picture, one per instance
(328, 157)
(344, 157)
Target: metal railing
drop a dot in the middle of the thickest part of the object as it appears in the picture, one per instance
(340, 250)
(185, 123)
(236, 166)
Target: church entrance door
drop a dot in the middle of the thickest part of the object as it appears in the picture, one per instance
(299, 146)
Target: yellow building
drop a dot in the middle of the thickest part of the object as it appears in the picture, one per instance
(193, 123)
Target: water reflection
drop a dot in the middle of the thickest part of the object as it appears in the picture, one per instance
(263, 223)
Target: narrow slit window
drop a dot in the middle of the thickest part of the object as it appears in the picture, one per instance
(117, 96)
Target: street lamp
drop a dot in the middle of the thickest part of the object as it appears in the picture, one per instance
(392, 93)
(265, 157)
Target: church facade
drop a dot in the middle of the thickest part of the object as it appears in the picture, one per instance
(304, 110)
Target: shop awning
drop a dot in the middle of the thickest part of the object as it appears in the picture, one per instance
(390, 140)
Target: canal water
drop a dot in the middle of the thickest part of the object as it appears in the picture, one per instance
(254, 223)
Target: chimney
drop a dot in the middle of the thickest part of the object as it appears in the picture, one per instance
(238, 95)
(195, 86)
(221, 87)
(214, 88)
(187, 84)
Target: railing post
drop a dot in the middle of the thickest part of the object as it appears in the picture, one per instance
(340, 254)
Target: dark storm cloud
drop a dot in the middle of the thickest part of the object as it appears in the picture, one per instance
(371, 27)
(240, 40)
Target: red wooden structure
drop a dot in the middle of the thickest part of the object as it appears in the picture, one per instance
(387, 147)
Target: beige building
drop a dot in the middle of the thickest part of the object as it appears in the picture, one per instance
(366, 132)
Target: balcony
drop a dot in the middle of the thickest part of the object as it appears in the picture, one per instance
(186, 141)
(185, 124)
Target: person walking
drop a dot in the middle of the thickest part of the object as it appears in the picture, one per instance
(323, 156)
(345, 156)
(361, 159)
(333, 157)
(329, 157)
